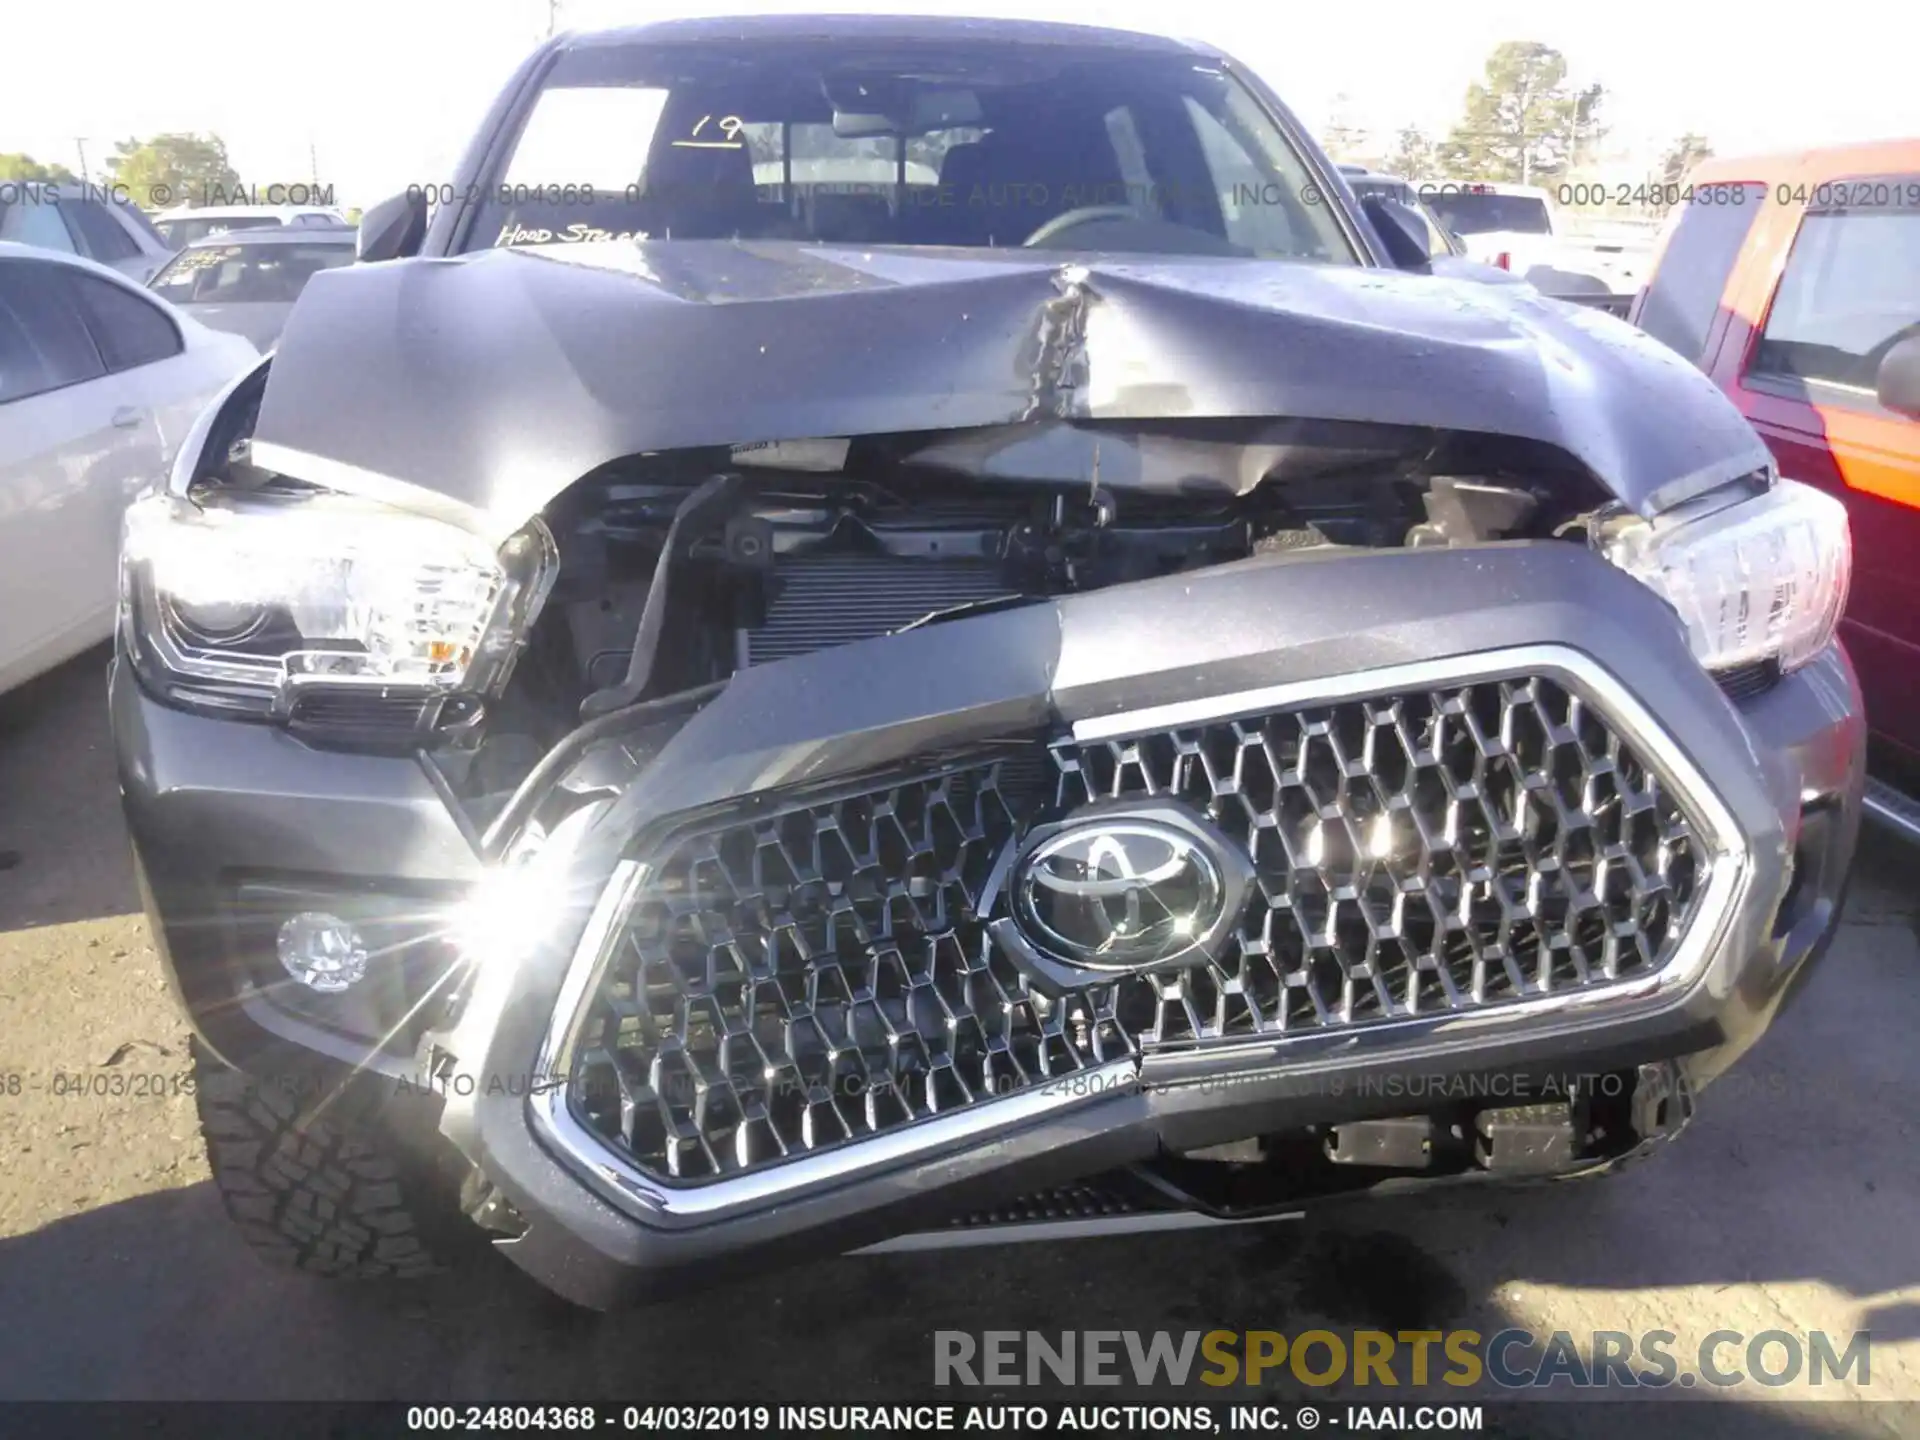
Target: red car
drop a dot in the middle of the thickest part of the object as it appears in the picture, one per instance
(1794, 281)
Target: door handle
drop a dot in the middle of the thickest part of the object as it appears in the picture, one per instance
(127, 417)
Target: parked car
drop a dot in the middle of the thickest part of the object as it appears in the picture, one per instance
(82, 220)
(1794, 282)
(1450, 256)
(246, 282)
(1514, 227)
(185, 224)
(99, 384)
(683, 752)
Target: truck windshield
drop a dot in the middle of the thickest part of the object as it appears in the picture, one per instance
(905, 144)
(1466, 213)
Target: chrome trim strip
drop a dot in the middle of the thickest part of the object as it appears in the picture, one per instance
(1727, 876)
(1894, 809)
(648, 1199)
(1153, 1223)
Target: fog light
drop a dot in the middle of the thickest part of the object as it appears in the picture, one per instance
(323, 952)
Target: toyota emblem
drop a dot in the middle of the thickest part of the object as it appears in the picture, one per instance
(1125, 891)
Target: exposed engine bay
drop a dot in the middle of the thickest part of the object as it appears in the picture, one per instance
(677, 569)
(780, 550)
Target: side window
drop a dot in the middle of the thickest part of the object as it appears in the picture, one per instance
(130, 330)
(43, 343)
(131, 214)
(1259, 182)
(36, 223)
(22, 372)
(100, 233)
(1684, 294)
(1253, 214)
(1850, 291)
(1130, 152)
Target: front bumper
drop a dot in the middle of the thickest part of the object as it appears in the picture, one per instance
(215, 806)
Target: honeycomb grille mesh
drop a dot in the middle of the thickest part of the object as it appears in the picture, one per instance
(819, 972)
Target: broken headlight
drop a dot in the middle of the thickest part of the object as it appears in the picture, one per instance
(1762, 580)
(244, 600)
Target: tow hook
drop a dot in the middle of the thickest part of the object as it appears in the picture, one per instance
(1662, 1101)
(484, 1204)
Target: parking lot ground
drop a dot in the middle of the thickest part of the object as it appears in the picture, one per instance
(1792, 1204)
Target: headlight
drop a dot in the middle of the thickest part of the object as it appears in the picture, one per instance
(244, 599)
(1764, 579)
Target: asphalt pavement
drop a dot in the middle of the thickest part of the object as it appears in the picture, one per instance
(1793, 1204)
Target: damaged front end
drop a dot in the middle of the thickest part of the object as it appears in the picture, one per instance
(358, 623)
(1100, 787)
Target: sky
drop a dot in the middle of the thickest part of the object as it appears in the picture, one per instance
(384, 93)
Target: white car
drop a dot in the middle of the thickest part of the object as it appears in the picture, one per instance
(1513, 227)
(100, 381)
(82, 220)
(182, 225)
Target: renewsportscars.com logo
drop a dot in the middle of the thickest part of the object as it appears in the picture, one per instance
(1513, 1359)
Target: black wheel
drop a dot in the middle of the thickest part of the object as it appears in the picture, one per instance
(326, 1196)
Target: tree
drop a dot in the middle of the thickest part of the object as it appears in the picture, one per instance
(1686, 152)
(1342, 139)
(1588, 130)
(175, 169)
(16, 166)
(1413, 155)
(1522, 123)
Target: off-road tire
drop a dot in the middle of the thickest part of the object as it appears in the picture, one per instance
(324, 1196)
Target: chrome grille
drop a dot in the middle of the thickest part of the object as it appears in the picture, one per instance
(1415, 853)
(815, 970)
(817, 975)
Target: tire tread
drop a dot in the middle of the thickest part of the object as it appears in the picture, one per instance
(308, 1194)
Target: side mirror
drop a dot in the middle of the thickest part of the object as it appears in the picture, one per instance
(393, 228)
(1899, 378)
(1402, 230)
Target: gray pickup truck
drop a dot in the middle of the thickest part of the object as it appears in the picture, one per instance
(1054, 679)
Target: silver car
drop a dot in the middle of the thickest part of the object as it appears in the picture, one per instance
(245, 281)
(185, 224)
(85, 220)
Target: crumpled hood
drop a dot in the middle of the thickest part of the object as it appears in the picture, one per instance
(483, 385)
